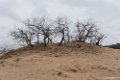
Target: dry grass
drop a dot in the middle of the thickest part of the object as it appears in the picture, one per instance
(55, 50)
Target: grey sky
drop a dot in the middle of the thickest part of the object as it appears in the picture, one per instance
(105, 12)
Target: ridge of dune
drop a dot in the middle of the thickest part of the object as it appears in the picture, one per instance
(75, 61)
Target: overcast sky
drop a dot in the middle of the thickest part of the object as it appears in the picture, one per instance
(105, 12)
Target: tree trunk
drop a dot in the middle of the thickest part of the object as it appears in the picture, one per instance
(98, 42)
(61, 40)
(38, 39)
(49, 40)
(45, 44)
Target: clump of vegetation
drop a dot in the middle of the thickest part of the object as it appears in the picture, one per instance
(114, 46)
(44, 31)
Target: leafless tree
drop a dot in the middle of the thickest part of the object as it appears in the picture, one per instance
(41, 27)
(62, 28)
(85, 30)
(99, 37)
(90, 28)
(23, 36)
(81, 31)
(33, 29)
(44, 29)
(96, 37)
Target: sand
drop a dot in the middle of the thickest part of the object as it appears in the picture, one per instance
(75, 65)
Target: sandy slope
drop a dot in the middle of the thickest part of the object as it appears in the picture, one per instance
(104, 66)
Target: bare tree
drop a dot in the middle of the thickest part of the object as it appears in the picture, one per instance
(85, 30)
(96, 37)
(31, 25)
(99, 38)
(41, 27)
(90, 28)
(33, 29)
(23, 36)
(62, 28)
(81, 31)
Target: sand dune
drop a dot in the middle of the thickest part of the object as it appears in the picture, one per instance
(63, 63)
